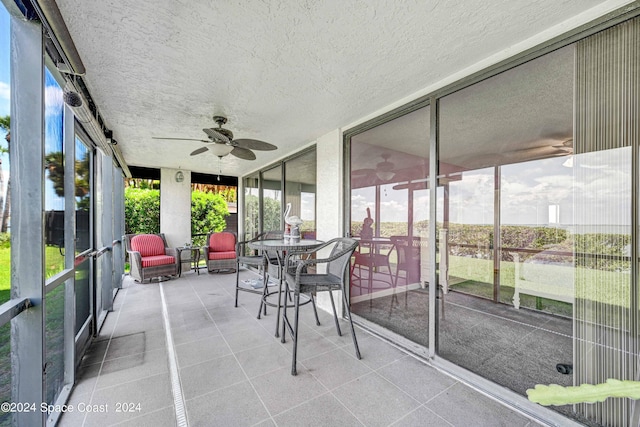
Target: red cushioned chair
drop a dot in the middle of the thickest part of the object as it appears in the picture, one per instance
(220, 252)
(150, 257)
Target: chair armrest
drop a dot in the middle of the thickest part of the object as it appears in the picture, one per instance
(240, 245)
(313, 261)
(171, 251)
(135, 255)
(302, 265)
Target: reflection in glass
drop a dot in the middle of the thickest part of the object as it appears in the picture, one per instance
(54, 343)
(272, 199)
(508, 211)
(83, 196)
(54, 177)
(300, 188)
(470, 231)
(537, 235)
(389, 216)
(83, 302)
(251, 206)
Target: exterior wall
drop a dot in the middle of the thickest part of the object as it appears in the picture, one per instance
(175, 207)
(329, 198)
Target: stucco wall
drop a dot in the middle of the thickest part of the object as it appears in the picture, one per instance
(329, 198)
(175, 207)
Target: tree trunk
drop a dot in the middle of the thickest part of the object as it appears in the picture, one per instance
(7, 209)
(1, 194)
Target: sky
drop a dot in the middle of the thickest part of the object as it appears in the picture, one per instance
(53, 111)
(594, 190)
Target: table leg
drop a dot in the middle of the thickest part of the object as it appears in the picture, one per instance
(280, 273)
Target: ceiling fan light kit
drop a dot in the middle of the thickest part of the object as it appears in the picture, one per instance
(221, 150)
(220, 141)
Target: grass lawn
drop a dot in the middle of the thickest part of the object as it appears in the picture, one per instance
(602, 287)
(54, 264)
(5, 274)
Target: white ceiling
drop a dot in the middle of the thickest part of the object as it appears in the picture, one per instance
(286, 72)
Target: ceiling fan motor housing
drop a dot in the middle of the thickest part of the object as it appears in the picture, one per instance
(225, 132)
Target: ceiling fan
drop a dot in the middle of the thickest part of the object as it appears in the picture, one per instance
(384, 170)
(223, 143)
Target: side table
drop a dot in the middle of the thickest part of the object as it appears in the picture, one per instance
(194, 257)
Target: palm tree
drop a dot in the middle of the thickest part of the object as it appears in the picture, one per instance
(5, 124)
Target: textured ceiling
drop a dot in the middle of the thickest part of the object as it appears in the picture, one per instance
(285, 72)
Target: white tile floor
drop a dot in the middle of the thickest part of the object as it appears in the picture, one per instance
(234, 372)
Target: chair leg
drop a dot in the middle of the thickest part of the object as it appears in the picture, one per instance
(315, 310)
(335, 314)
(353, 332)
(295, 333)
(285, 319)
(237, 283)
(265, 277)
(265, 284)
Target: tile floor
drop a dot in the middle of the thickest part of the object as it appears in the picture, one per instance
(234, 372)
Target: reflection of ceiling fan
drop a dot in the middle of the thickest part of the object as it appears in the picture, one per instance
(567, 144)
(383, 170)
(223, 143)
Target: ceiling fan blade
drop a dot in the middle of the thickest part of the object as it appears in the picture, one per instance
(556, 134)
(362, 172)
(182, 139)
(199, 151)
(568, 143)
(215, 135)
(254, 144)
(243, 153)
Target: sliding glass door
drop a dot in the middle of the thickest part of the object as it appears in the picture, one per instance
(389, 218)
(536, 220)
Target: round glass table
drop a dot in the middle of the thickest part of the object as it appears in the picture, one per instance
(284, 249)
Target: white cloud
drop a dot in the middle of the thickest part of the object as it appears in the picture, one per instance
(54, 101)
(5, 91)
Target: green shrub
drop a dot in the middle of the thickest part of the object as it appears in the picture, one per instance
(208, 212)
(141, 210)
(5, 240)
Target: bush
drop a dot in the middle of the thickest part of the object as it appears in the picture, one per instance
(141, 210)
(5, 240)
(208, 212)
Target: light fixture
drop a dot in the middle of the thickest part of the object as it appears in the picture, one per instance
(71, 97)
(221, 150)
(384, 169)
(569, 162)
(179, 176)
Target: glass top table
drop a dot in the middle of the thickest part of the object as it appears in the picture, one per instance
(283, 248)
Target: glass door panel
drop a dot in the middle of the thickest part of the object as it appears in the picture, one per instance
(300, 189)
(272, 199)
(84, 238)
(389, 217)
(55, 245)
(504, 146)
(251, 207)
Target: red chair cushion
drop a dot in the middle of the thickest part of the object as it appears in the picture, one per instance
(222, 242)
(154, 260)
(222, 255)
(148, 245)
